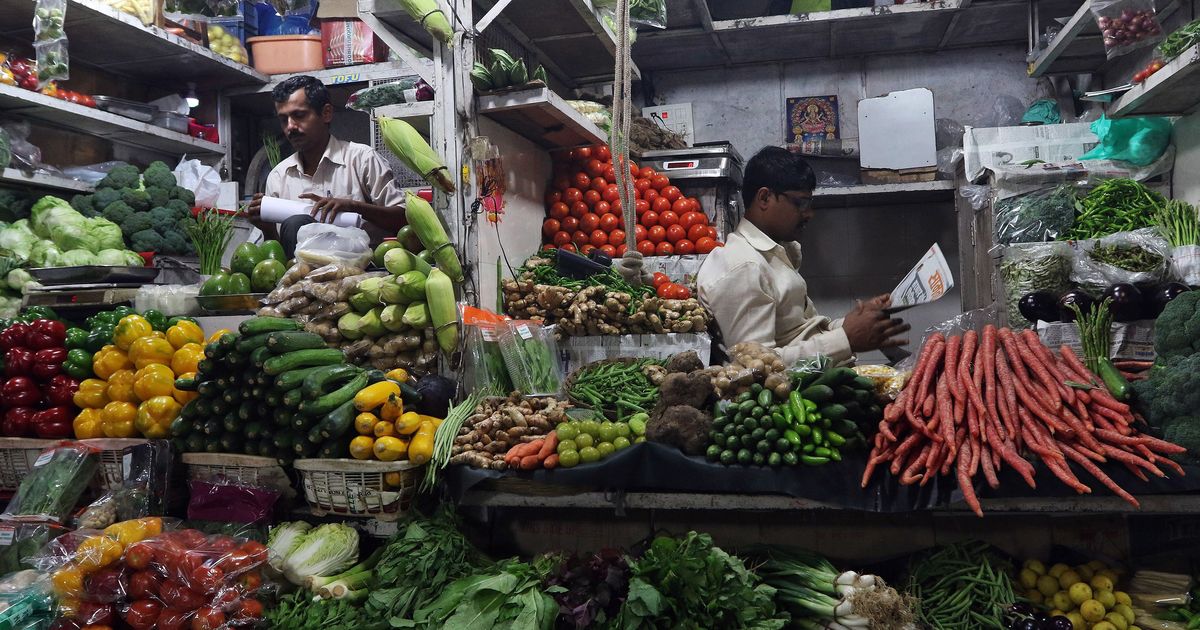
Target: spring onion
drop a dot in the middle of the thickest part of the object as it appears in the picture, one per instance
(818, 596)
(210, 232)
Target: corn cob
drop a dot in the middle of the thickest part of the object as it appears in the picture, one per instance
(408, 145)
(431, 18)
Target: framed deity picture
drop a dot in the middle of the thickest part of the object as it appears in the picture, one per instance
(811, 118)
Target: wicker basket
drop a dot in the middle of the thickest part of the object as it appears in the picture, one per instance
(16, 459)
(608, 412)
(240, 470)
(351, 487)
(110, 474)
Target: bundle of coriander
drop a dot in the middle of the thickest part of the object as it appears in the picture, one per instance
(210, 232)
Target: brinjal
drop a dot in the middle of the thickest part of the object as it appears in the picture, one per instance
(1078, 298)
(1039, 305)
(1059, 622)
(1162, 295)
(1126, 302)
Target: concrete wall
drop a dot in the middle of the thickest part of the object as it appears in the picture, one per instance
(1186, 182)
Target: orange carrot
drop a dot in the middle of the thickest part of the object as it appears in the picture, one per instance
(954, 348)
(529, 462)
(989, 473)
(911, 475)
(551, 462)
(964, 480)
(1130, 458)
(548, 447)
(1100, 476)
(946, 413)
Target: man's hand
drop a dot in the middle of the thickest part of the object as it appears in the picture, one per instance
(869, 328)
(325, 209)
(253, 210)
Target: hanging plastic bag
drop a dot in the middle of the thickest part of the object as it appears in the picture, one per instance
(1138, 141)
(647, 12)
(1126, 25)
(324, 244)
(48, 16)
(1030, 267)
(1042, 215)
(1139, 257)
(53, 62)
(977, 196)
(401, 91)
(203, 180)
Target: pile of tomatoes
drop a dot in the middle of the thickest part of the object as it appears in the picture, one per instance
(667, 290)
(1150, 69)
(583, 209)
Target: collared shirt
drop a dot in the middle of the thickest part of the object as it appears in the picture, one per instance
(753, 288)
(347, 170)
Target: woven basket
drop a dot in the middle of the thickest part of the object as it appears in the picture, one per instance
(110, 474)
(608, 412)
(16, 459)
(351, 487)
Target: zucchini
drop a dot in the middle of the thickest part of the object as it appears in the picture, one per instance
(223, 384)
(235, 359)
(294, 378)
(212, 427)
(233, 396)
(303, 358)
(836, 376)
(207, 388)
(293, 398)
(863, 382)
(231, 443)
(283, 440)
(206, 367)
(314, 436)
(253, 430)
(282, 416)
(300, 422)
(214, 352)
(252, 343)
(248, 411)
(273, 398)
(186, 384)
(194, 443)
(231, 423)
(290, 341)
(834, 412)
(259, 325)
(303, 448)
(818, 394)
(1114, 382)
(339, 421)
(331, 451)
(266, 448)
(335, 399)
(257, 393)
(409, 394)
(328, 378)
(220, 407)
(259, 357)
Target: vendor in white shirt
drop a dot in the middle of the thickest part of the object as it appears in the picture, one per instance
(753, 286)
(337, 176)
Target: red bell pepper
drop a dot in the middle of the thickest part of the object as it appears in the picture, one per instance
(15, 336)
(60, 390)
(18, 422)
(53, 423)
(48, 362)
(20, 391)
(18, 362)
(47, 333)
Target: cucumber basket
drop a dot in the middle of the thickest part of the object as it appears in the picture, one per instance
(351, 487)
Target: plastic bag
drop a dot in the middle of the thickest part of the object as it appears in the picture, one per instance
(1006, 112)
(368, 98)
(977, 196)
(531, 356)
(20, 542)
(1032, 267)
(48, 16)
(646, 12)
(24, 154)
(1042, 215)
(1138, 141)
(1185, 264)
(54, 484)
(230, 502)
(203, 180)
(1044, 111)
(483, 361)
(1140, 257)
(324, 244)
(1126, 25)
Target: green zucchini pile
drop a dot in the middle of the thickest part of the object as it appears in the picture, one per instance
(272, 390)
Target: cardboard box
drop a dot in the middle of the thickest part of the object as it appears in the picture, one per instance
(347, 41)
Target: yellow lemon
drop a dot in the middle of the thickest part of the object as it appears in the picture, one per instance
(1028, 578)
(1077, 622)
(1061, 601)
(1123, 598)
(1047, 585)
(1058, 570)
(1101, 582)
(1080, 593)
(1091, 610)
(1106, 598)
(1068, 578)
(1035, 596)
(1036, 566)
(1125, 610)
(1117, 619)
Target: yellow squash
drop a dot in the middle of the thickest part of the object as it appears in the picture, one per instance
(373, 396)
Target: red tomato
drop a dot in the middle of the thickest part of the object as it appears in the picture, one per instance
(142, 614)
(139, 555)
(569, 247)
(609, 250)
(225, 599)
(661, 205)
(250, 581)
(599, 184)
(648, 173)
(207, 578)
(171, 619)
(668, 218)
(660, 279)
(561, 238)
(589, 222)
(705, 245)
(646, 248)
(562, 182)
(664, 249)
(615, 206)
(569, 224)
(553, 197)
(208, 618)
(633, 170)
(696, 232)
(680, 293)
(609, 222)
(611, 193)
(599, 238)
(602, 207)
(664, 290)
(688, 219)
(559, 210)
(549, 227)
(639, 232)
(650, 195)
(249, 609)
(581, 181)
(594, 168)
(676, 233)
(637, 194)
(671, 193)
(712, 233)
(571, 195)
(657, 234)
(621, 249)
(583, 153)
(649, 219)
(580, 238)
(256, 550)
(616, 237)
(578, 209)
(681, 206)
(641, 206)
(685, 247)
(143, 584)
(236, 560)
(659, 182)
(610, 173)
(587, 249)
(591, 198)
(641, 184)
(602, 153)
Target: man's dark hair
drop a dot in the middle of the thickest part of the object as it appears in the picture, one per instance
(777, 170)
(314, 91)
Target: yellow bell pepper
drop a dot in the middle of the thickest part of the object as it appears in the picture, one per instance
(374, 395)
(408, 423)
(108, 360)
(130, 329)
(66, 581)
(97, 552)
(217, 335)
(89, 424)
(134, 530)
(420, 450)
(120, 386)
(92, 394)
(183, 333)
(181, 396)
(117, 419)
(154, 417)
(400, 375)
(187, 358)
(392, 409)
(153, 380)
(149, 350)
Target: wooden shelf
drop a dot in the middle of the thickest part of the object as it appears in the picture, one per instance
(877, 194)
(1078, 47)
(44, 181)
(1172, 91)
(541, 116)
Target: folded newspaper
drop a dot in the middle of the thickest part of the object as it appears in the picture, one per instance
(927, 281)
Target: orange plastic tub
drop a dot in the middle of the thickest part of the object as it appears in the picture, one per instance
(284, 54)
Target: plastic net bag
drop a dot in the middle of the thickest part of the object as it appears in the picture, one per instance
(1126, 25)
(1140, 257)
(1138, 141)
(1030, 267)
(1035, 217)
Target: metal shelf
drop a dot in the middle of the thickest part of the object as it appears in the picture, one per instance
(541, 116)
(1173, 90)
(42, 180)
(875, 194)
(418, 114)
(1078, 48)
(347, 75)
(93, 122)
(117, 42)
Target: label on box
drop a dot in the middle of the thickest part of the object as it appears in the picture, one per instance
(524, 331)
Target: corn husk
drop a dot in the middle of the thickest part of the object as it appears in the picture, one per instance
(407, 144)
(431, 18)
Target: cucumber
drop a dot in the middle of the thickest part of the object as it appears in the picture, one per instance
(833, 412)
(232, 396)
(186, 384)
(253, 430)
(836, 376)
(301, 422)
(303, 448)
(236, 359)
(409, 394)
(293, 398)
(194, 443)
(294, 378)
(266, 448)
(247, 411)
(207, 388)
(249, 344)
(818, 394)
(206, 367)
(231, 423)
(273, 398)
(282, 416)
(1114, 382)
(260, 356)
(335, 399)
(290, 341)
(214, 352)
(220, 407)
(331, 451)
(259, 325)
(283, 440)
(211, 427)
(327, 379)
(863, 382)
(314, 436)
(257, 393)
(339, 421)
(303, 358)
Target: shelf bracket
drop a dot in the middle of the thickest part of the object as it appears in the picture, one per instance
(421, 66)
(491, 15)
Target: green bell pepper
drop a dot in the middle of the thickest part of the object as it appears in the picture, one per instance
(122, 311)
(179, 318)
(37, 312)
(78, 364)
(76, 338)
(103, 317)
(100, 336)
(157, 320)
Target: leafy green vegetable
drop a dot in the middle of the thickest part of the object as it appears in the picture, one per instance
(510, 596)
(52, 489)
(299, 611)
(325, 550)
(1038, 216)
(283, 540)
(1182, 39)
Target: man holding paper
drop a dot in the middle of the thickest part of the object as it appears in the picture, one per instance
(753, 286)
(339, 179)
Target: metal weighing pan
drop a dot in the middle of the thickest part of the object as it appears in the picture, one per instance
(93, 274)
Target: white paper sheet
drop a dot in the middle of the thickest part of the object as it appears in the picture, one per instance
(276, 210)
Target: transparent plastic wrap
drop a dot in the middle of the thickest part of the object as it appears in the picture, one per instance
(230, 502)
(23, 154)
(48, 17)
(53, 486)
(1185, 264)
(483, 362)
(20, 542)
(25, 601)
(323, 244)
(368, 98)
(889, 381)
(531, 356)
(1126, 25)
(1030, 267)
(751, 362)
(977, 196)
(1039, 216)
(5, 149)
(647, 12)
(1140, 257)
(170, 299)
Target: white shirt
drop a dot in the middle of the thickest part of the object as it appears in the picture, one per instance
(347, 170)
(753, 288)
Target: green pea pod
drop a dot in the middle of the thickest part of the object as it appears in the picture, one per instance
(792, 437)
(796, 403)
(812, 460)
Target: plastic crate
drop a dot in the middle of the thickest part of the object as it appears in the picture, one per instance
(110, 474)
(16, 459)
(350, 487)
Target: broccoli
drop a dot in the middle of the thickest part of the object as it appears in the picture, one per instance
(137, 199)
(174, 243)
(184, 195)
(146, 241)
(136, 222)
(1177, 329)
(158, 196)
(117, 212)
(1172, 390)
(121, 176)
(1184, 431)
(105, 196)
(83, 204)
(159, 176)
(180, 209)
(14, 205)
(158, 164)
(164, 220)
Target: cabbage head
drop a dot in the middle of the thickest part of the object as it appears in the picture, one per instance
(134, 259)
(111, 257)
(283, 540)
(78, 258)
(17, 241)
(50, 214)
(103, 234)
(326, 550)
(45, 254)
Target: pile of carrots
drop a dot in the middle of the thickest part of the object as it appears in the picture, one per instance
(540, 453)
(976, 402)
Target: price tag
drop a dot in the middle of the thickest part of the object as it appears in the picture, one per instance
(524, 331)
(43, 459)
(7, 534)
(488, 334)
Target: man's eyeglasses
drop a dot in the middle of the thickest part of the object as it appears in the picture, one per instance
(801, 203)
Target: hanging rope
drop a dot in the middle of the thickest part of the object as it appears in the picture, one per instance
(622, 110)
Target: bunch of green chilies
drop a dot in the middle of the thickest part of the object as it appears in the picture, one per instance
(595, 385)
(1115, 205)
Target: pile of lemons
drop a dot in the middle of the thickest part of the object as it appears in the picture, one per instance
(1085, 594)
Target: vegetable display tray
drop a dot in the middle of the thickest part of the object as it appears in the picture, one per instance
(350, 487)
(110, 474)
(240, 302)
(93, 274)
